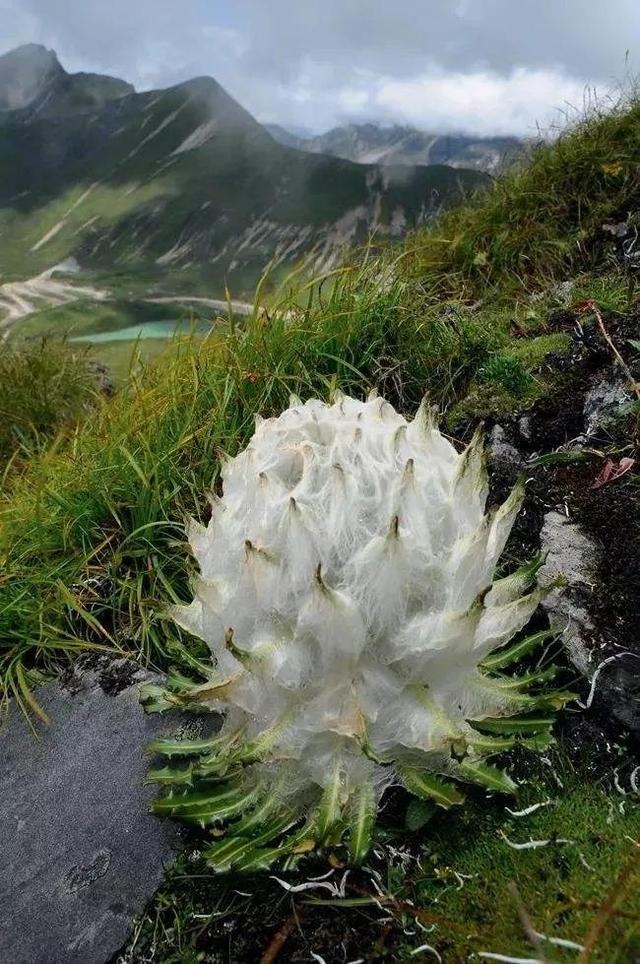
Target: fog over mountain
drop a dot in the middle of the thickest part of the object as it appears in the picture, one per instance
(487, 67)
(377, 144)
(181, 179)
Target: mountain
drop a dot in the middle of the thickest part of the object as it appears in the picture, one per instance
(373, 144)
(32, 78)
(180, 179)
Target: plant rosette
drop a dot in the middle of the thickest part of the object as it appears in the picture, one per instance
(358, 635)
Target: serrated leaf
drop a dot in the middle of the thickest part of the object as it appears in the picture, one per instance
(484, 745)
(235, 851)
(262, 858)
(258, 817)
(514, 724)
(487, 776)
(430, 787)
(330, 807)
(555, 700)
(419, 812)
(205, 807)
(512, 587)
(171, 775)
(156, 699)
(174, 747)
(505, 657)
(361, 820)
(527, 679)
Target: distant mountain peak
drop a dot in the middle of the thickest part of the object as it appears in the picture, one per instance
(25, 73)
(32, 78)
(390, 144)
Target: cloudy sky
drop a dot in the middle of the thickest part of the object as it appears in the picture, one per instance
(481, 66)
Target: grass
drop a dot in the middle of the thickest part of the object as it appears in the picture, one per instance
(563, 888)
(43, 388)
(542, 221)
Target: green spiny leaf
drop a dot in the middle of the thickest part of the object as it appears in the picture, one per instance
(330, 807)
(430, 787)
(262, 858)
(362, 815)
(206, 806)
(233, 851)
(258, 817)
(174, 747)
(514, 724)
(504, 591)
(505, 657)
(172, 775)
(485, 745)
(156, 699)
(555, 700)
(487, 776)
(528, 679)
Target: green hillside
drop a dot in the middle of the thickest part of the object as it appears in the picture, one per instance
(186, 179)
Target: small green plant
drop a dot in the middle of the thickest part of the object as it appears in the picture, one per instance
(346, 593)
(509, 372)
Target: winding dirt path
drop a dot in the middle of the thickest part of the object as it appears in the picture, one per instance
(19, 299)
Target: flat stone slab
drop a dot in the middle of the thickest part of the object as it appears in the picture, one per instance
(80, 853)
(572, 557)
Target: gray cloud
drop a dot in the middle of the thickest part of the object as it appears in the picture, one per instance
(483, 65)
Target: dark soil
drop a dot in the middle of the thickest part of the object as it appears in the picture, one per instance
(114, 675)
(610, 515)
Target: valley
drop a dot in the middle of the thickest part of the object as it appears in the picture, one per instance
(177, 192)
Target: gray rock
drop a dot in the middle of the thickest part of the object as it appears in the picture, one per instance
(604, 402)
(80, 854)
(572, 557)
(526, 427)
(563, 292)
(500, 450)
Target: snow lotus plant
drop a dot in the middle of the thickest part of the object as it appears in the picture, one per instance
(346, 594)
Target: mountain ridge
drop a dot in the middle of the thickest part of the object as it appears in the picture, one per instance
(397, 144)
(182, 179)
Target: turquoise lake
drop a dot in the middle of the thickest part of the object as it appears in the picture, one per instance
(149, 329)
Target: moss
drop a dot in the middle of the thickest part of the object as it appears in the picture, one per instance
(512, 379)
(531, 352)
(564, 887)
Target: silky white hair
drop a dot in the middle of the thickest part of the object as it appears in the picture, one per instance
(346, 594)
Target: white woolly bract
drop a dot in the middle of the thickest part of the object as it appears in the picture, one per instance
(345, 593)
